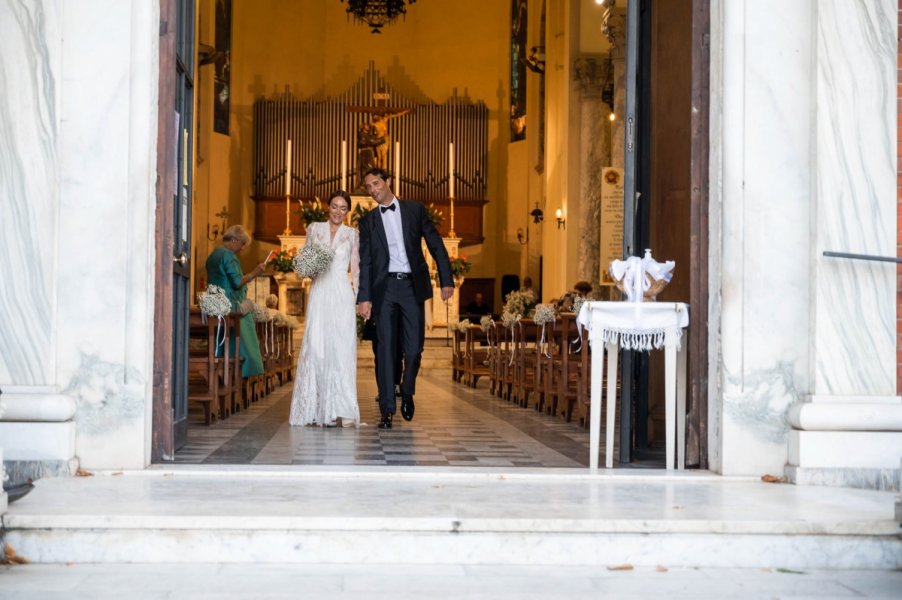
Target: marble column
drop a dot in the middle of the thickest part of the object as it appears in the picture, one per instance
(848, 429)
(595, 153)
(614, 28)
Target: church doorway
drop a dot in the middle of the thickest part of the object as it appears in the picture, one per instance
(664, 146)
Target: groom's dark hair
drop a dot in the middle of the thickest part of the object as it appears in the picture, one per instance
(379, 172)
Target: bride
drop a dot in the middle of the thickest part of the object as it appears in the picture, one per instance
(325, 388)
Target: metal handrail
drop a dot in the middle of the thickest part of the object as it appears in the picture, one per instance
(889, 259)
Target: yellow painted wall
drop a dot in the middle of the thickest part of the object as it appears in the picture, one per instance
(312, 48)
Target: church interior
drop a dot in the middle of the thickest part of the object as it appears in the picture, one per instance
(506, 119)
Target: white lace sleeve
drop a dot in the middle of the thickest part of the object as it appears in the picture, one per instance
(355, 259)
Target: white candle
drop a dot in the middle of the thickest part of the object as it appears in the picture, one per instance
(451, 170)
(344, 165)
(398, 169)
(288, 169)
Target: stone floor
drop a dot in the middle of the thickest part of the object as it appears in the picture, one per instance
(395, 582)
(454, 425)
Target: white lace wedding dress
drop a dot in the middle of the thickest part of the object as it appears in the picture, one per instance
(325, 385)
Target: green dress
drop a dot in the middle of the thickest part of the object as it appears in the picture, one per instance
(224, 270)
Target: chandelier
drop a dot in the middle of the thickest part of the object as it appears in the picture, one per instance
(376, 13)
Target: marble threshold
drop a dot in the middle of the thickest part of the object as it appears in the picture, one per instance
(197, 514)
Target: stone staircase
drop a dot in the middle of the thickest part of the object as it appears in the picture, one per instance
(414, 516)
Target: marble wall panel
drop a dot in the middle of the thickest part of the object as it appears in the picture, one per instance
(30, 64)
(106, 227)
(853, 339)
(767, 125)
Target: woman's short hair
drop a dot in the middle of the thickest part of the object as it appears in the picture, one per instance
(237, 233)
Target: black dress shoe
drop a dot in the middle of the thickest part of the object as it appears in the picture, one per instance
(407, 407)
(385, 422)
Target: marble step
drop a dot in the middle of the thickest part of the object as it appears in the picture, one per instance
(381, 516)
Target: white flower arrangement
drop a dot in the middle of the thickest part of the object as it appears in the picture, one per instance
(520, 302)
(313, 259)
(578, 303)
(214, 302)
(462, 326)
(544, 314)
(509, 319)
(262, 314)
(486, 322)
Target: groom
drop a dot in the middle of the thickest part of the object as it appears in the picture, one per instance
(394, 284)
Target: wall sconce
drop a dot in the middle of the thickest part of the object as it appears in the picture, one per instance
(217, 229)
(559, 215)
(537, 215)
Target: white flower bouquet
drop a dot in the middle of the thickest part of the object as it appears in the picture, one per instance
(214, 302)
(462, 326)
(509, 319)
(520, 302)
(486, 322)
(544, 314)
(313, 259)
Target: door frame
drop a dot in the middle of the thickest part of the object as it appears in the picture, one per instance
(697, 405)
(699, 249)
(162, 442)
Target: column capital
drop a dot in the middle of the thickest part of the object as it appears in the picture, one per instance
(589, 73)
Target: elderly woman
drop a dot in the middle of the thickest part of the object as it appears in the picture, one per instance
(224, 270)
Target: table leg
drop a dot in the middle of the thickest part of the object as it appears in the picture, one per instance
(681, 404)
(670, 371)
(613, 350)
(595, 407)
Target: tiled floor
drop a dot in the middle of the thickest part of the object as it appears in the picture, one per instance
(454, 426)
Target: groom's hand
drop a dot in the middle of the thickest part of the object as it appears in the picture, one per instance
(447, 292)
(364, 309)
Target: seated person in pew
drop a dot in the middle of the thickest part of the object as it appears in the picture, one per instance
(477, 308)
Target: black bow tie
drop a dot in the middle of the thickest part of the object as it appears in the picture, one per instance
(385, 208)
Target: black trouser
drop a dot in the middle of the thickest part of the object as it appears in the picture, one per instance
(398, 360)
(400, 330)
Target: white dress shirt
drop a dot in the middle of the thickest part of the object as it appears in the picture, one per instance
(397, 254)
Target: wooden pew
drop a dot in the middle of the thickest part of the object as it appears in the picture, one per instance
(476, 356)
(208, 375)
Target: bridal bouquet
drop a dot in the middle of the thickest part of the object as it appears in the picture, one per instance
(312, 260)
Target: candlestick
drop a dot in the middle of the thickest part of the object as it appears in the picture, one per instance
(344, 165)
(288, 168)
(287, 189)
(451, 170)
(398, 169)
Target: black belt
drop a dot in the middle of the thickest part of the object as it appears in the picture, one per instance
(400, 275)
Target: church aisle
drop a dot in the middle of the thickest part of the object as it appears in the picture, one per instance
(454, 426)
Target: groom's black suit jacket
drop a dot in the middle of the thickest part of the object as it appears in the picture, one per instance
(415, 225)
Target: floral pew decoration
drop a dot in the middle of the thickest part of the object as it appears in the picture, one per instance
(215, 303)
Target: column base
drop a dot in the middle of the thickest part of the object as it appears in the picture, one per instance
(887, 480)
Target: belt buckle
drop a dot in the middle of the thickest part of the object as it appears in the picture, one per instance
(400, 275)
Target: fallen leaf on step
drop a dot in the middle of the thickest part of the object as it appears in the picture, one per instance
(11, 558)
(117, 473)
(83, 473)
(771, 478)
(626, 567)
(661, 569)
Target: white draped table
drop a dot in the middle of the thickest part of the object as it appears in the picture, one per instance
(637, 326)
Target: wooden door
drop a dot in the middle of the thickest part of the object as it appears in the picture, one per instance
(173, 230)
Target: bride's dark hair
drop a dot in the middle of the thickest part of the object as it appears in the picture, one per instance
(341, 194)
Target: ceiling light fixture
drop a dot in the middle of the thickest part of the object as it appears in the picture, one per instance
(377, 13)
